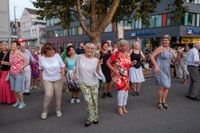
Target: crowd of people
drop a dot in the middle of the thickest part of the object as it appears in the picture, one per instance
(87, 68)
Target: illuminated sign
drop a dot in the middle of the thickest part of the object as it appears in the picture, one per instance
(192, 31)
(143, 33)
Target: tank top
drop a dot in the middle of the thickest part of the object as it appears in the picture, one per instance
(70, 63)
(136, 57)
(16, 63)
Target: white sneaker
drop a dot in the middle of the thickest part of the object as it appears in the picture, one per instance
(78, 100)
(44, 116)
(58, 113)
(72, 101)
(15, 105)
(21, 105)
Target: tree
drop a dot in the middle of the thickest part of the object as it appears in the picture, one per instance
(99, 12)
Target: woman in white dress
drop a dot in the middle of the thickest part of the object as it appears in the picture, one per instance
(136, 76)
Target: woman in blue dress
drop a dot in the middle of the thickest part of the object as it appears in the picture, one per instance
(161, 58)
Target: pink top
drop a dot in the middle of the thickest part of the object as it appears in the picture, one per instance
(16, 63)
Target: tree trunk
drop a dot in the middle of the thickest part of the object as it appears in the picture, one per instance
(95, 38)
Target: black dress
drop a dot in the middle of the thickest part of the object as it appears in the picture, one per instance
(106, 71)
(4, 67)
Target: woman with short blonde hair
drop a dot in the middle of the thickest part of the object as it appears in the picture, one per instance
(136, 76)
(87, 71)
(161, 58)
(119, 64)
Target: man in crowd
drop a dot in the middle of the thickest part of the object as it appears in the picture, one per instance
(80, 49)
(193, 63)
(27, 75)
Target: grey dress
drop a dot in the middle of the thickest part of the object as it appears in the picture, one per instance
(163, 78)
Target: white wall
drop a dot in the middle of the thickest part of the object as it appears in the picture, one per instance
(4, 20)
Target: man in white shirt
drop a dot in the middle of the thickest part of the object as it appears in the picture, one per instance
(193, 62)
(27, 75)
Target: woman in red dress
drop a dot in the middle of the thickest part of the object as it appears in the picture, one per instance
(6, 95)
(119, 64)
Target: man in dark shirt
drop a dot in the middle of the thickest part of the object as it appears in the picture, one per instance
(80, 49)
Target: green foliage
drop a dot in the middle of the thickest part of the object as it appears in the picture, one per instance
(55, 9)
(178, 10)
(138, 9)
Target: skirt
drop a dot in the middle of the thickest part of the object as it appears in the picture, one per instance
(6, 95)
(72, 84)
(136, 75)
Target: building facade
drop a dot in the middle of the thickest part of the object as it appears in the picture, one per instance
(5, 21)
(186, 31)
(32, 28)
(15, 30)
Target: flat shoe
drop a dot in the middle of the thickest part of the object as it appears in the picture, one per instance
(87, 124)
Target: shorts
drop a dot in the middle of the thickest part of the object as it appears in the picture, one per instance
(16, 82)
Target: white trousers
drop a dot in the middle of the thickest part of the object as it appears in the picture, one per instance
(27, 80)
(122, 97)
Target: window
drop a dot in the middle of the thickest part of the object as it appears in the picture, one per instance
(152, 22)
(168, 19)
(158, 21)
(80, 31)
(190, 19)
(138, 24)
(198, 20)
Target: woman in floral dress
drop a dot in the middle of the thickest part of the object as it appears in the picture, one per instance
(119, 64)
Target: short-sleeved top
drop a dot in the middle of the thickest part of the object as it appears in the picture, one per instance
(192, 57)
(6, 58)
(122, 65)
(51, 67)
(70, 63)
(136, 57)
(29, 57)
(85, 69)
(16, 63)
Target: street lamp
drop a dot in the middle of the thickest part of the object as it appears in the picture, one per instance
(15, 20)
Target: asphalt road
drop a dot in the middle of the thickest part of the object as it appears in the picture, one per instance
(143, 116)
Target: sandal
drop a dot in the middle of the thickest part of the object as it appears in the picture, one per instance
(160, 105)
(165, 105)
(125, 110)
(120, 111)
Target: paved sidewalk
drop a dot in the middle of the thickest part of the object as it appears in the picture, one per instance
(143, 117)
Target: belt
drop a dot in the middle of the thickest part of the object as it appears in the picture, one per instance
(192, 66)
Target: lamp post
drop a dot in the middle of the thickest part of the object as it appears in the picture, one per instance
(15, 20)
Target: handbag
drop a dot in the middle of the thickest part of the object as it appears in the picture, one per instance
(7, 77)
(3, 59)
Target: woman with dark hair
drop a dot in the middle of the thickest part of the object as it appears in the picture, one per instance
(60, 50)
(104, 55)
(72, 85)
(52, 72)
(17, 64)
